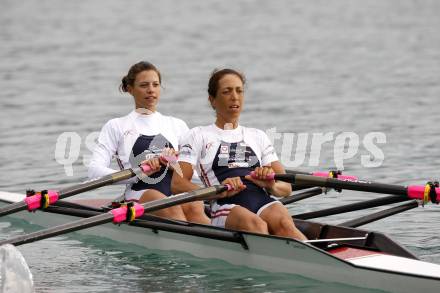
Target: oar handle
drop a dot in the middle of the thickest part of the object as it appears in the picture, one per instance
(170, 159)
(271, 176)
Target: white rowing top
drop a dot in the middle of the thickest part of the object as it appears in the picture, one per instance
(204, 145)
(118, 136)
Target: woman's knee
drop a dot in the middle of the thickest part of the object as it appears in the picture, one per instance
(242, 219)
(194, 208)
(150, 195)
(286, 224)
(258, 225)
(174, 212)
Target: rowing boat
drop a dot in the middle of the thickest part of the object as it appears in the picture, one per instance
(334, 254)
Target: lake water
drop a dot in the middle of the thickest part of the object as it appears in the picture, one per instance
(312, 67)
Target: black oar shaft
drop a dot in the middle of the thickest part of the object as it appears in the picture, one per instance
(298, 187)
(151, 206)
(12, 208)
(300, 196)
(380, 215)
(103, 181)
(294, 172)
(365, 186)
(59, 230)
(350, 207)
(76, 189)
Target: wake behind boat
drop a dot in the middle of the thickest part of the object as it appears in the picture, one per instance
(334, 253)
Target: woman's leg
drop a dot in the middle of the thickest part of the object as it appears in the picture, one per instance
(174, 212)
(240, 218)
(280, 223)
(195, 212)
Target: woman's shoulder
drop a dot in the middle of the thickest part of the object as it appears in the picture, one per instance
(173, 120)
(254, 131)
(117, 124)
(202, 129)
(198, 132)
(119, 120)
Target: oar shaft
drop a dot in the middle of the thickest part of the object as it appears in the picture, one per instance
(350, 207)
(13, 208)
(59, 230)
(329, 174)
(103, 181)
(380, 215)
(151, 206)
(300, 196)
(73, 190)
(108, 180)
(366, 186)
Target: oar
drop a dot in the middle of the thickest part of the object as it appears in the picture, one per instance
(380, 215)
(428, 192)
(351, 207)
(332, 174)
(302, 195)
(46, 197)
(122, 214)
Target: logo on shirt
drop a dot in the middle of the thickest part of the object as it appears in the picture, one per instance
(129, 132)
(239, 165)
(224, 149)
(186, 149)
(186, 146)
(209, 145)
(236, 155)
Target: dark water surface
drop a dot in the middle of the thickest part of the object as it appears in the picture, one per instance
(312, 67)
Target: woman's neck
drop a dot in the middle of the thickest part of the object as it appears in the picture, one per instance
(145, 111)
(227, 124)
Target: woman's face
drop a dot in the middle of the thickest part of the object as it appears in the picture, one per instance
(229, 99)
(146, 90)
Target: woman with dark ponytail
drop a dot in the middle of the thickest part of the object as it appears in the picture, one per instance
(144, 136)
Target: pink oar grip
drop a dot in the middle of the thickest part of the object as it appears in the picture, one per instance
(170, 159)
(418, 192)
(340, 177)
(268, 177)
(145, 168)
(229, 187)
